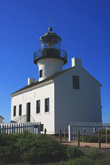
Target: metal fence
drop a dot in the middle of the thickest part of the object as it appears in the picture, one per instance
(17, 128)
(89, 128)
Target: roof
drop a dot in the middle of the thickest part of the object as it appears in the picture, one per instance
(49, 78)
(1, 117)
(41, 82)
(50, 33)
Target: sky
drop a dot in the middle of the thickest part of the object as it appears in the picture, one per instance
(83, 25)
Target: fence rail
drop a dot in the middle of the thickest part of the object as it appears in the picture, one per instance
(89, 124)
(16, 128)
(90, 128)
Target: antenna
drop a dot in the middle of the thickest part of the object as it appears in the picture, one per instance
(50, 21)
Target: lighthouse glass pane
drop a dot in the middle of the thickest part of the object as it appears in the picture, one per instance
(56, 46)
(45, 46)
(47, 105)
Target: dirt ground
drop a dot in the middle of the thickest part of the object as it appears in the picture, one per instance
(85, 144)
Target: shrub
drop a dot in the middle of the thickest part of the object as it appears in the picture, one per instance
(7, 139)
(94, 138)
(103, 131)
(40, 149)
(80, 161)
(91, 138)
(73, 152)
(88, 160)
(94, 154)
(28, 148)
(8, 154)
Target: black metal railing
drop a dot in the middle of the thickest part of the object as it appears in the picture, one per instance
(23, 119)
(50, 53)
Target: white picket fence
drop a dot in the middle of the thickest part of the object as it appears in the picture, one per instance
(17, 128)
(90, 128)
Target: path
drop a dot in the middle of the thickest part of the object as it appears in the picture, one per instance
(86, 144)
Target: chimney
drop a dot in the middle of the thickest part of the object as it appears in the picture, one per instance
(77, 62)
(31, 80)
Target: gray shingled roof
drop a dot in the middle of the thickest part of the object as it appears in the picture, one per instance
(1, 117)
(47, 79)
(40, 82)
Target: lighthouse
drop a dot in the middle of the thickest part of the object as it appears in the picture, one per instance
(50, 58)
(59, 96)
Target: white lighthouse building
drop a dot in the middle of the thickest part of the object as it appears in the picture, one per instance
(50, 58)
(59, 96)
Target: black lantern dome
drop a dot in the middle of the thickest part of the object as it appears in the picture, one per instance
(50, 47)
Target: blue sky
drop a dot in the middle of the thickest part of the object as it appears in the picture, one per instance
(83, 25)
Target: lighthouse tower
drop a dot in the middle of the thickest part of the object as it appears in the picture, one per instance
(50, 58)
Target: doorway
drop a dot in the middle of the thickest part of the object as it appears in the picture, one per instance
(28, 112)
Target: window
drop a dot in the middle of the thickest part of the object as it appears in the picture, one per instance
(38, 106)
(20, 109)
(14, 111)
(42, 127)
(47, 105)
(75, 82)
(40, 73)
(28, 112)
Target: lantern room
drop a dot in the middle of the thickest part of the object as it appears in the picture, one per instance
(50, 40)
(50, 47)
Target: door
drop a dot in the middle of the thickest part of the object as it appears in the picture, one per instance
(28, 112)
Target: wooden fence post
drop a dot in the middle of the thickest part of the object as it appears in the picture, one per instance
(99, 139)
(83, 136)
(106, 134)
(65, 133)
(78, 138)
(60, 135)
(45, 131)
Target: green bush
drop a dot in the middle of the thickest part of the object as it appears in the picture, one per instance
(37, 149)
(73, 152)
(94, 138)
(8, 155)
(28, 148)
(40, 149)
(80, 161)
(103, 131)
(7, 139)
(103, 160)
(90, 138)
(94, 154)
